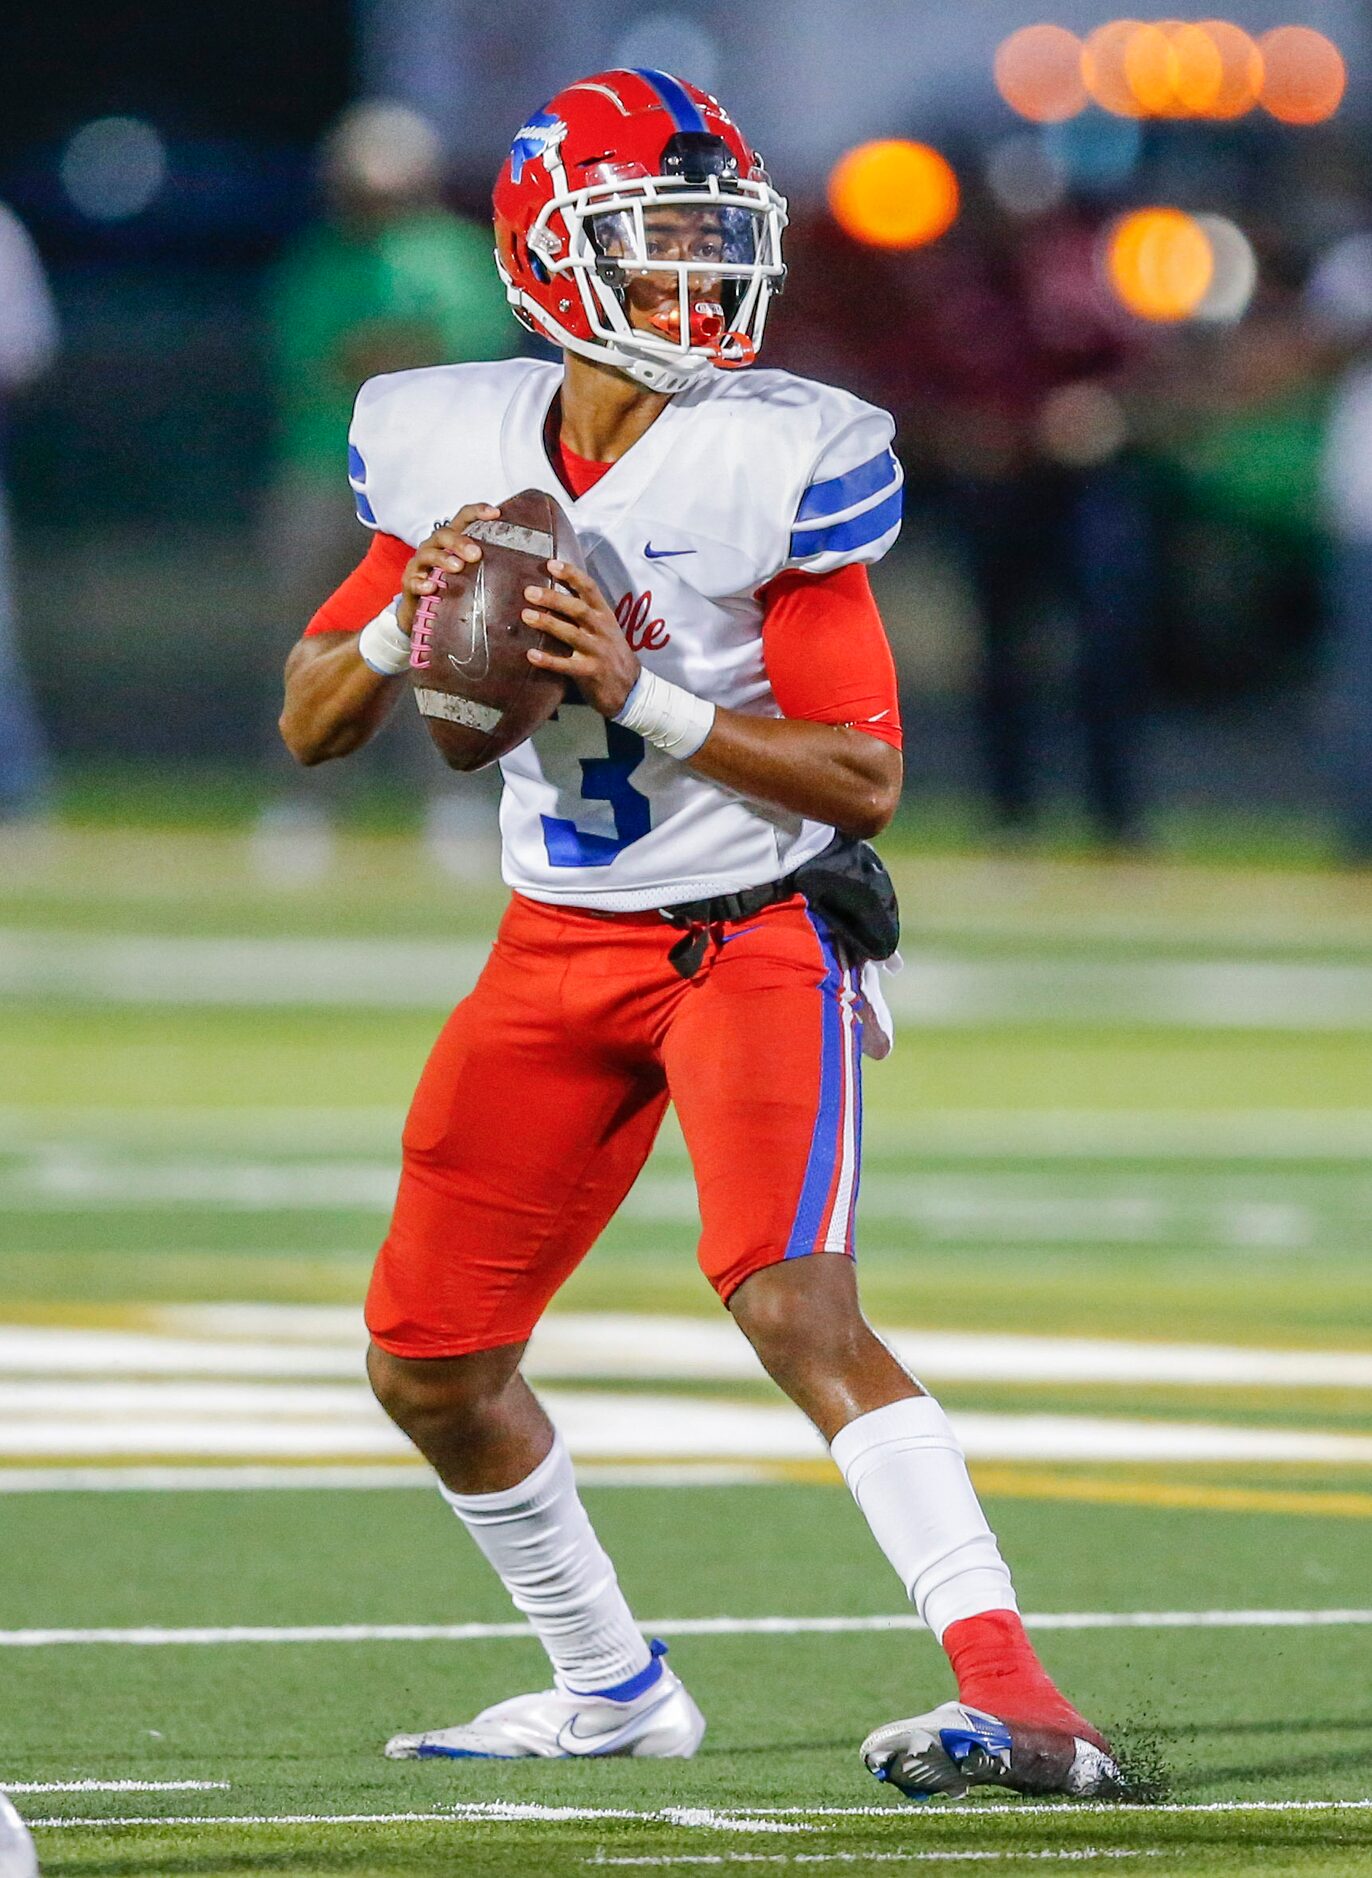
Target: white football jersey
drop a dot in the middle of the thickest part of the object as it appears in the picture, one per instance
(742, 476)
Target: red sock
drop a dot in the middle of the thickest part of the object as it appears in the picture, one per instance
(998, 1670)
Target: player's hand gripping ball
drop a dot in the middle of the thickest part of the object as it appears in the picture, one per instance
(593, 653)
(463, 604)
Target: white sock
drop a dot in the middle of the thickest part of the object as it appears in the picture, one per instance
(904, 1466)
(542, 1546)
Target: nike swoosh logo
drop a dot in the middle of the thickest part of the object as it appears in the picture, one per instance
(606, 1740)
(475, 662)
(650, 553)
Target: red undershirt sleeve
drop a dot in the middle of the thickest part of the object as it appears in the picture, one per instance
(367, 591)
(826, 652)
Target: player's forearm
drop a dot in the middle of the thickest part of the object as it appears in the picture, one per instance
(334, 702)
(826, 772)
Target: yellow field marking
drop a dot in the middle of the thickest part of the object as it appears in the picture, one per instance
(1018, 1484)
(1015, 1483)
(64, 1314)
(1011, 1482)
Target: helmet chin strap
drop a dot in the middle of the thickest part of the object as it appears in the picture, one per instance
(651, 373)
(660, 375)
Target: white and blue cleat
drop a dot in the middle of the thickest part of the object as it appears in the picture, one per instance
(650, 1716)
(17, 1856)
(952, 1749)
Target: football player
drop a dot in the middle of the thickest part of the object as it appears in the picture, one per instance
(732, 706)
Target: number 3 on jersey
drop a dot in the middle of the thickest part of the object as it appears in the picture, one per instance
(603, 779)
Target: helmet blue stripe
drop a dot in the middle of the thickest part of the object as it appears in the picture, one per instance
(685, 113)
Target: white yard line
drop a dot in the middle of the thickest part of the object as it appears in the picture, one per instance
(997, 1206)
(66, 1181)
(939, 991)
(57, 1823)
(518, 1813)
(336, 1325)
(354, 1438)
(1266, 1134)
(11, 1787)
(1000, 1205)
(1168, 1135)
(409, 1475)
(935, 989)
(694, 1818)
(271, 1384)
(235, 1126)
(265, 1421)
(327, 1341)
(246, 1420)
(147, 969)
(65, 1400)
(1084, 1855)
(983, 1809)
(621, 1345)
(42, 1349)
(153, 1637)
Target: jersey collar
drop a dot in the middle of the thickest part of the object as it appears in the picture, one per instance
(525, 459)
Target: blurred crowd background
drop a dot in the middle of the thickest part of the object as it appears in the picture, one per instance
(1114, 278)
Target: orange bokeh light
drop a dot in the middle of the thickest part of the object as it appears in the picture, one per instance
(1196, 72)
(1226, 82)
(1160, 263)
(1103, 66)
(1038, 73)
(1176, 68)
(1303, 76)
(1203, 68)
(1152, 69)
(894, 194)
(1171, 68)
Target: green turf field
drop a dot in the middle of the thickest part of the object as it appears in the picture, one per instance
(1118, 1181)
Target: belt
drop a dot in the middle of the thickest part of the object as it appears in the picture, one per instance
(696, 917)
(728, 906)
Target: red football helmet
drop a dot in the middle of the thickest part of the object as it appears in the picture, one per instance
(633, 194)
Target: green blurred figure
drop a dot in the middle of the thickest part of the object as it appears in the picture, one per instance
(388, 280)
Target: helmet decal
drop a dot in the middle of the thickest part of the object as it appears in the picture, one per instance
(534, 141)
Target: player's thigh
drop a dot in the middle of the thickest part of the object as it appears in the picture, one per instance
(519, 1146)
(763, 1064)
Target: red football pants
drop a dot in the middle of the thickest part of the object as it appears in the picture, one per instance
(545, 1090)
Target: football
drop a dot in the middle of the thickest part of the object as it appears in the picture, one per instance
(472, 681)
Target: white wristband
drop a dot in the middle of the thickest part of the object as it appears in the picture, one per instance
(384, 645)
(666, 716)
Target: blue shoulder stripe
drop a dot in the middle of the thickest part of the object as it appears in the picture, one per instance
(365, 512)
(357, 469)
(871, 525)
(685, 112)
(841, 492)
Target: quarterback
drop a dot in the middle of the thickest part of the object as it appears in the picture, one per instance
(731, 735)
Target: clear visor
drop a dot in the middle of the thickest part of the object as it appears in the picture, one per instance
(655, 237)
